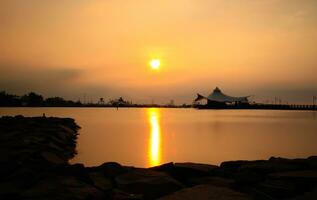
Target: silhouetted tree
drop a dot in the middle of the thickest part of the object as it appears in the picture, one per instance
(119, 102)
(9, 99)
(32, 99)
(55, 101)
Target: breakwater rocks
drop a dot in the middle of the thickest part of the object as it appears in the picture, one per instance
(34, 154)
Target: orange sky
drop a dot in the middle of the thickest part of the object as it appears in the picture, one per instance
(102, 48)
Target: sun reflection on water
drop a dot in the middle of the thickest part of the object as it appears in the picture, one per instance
(154, 150)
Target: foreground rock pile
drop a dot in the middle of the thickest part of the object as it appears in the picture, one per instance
(34, 154)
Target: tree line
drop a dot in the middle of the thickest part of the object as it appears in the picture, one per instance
(34, 99)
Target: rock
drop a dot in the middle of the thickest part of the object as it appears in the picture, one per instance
(6, 168)
(202, 169)
(228, 168)
(185, 171)
(151, 184)
(212, 180)
(311, 195)
(263, 166)
(62, 187)
(100, 181)
(277, 189)
(206, 192)
(312, 162)
(10, 189)
(304, 174)
(67, 131)
(284, 164)
(52, 158)
(167, 167)
(76, 170)
(120, 195)
(302, 181)
(260, 168)
(110, 169)
(248, 177)
(55, 147)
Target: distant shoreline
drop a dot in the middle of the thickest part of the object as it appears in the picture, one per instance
(100, 106)
(200, 107)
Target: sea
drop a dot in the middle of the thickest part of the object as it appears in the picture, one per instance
(146, 137)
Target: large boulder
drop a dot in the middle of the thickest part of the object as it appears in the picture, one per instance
(196, 168)
(61, 188)
(100, 181)
(110, 169)
(121, 195)
(151, 184)
(250, 172)
(53, 158)
(186, 171)
(228, 168)
(206, 192)
(311, 195)
(303, 174)
(212, 180)
(312, 162)
(276, 189)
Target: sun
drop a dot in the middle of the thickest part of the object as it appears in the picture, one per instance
(155, 64)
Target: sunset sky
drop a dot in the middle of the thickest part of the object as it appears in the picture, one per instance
(102, 48)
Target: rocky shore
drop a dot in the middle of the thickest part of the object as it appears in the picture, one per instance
(34, 154)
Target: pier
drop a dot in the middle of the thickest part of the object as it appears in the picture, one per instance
(259, 106)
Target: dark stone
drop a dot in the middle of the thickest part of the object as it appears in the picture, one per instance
(151, 184)
(53, 158)
(299, 175)
(284, 164)
(62, 187)
(167, 167)
(199, 169)
(7, 168)
(212, 180)
(121, 195)
(185, 171)
(312, 162)
(76, 170)
(311, 195)
(303, 181)
(248, 177)
(110, 169)
(277, 189)
(206, 192)
(228, 168)
(100, 181)
(260, 168)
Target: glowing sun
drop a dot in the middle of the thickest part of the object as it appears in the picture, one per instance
(155, 63)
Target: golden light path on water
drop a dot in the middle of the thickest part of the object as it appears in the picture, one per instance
(154, 149)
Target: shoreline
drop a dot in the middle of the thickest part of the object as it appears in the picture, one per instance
(276, 107)
(34, 165)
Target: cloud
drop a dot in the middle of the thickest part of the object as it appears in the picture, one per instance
(20, 79)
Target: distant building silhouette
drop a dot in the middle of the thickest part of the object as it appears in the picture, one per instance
(217, 98)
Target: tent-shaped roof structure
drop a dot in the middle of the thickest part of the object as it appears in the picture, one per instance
(218, 96)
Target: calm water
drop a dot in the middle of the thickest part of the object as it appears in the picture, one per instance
(148, 137)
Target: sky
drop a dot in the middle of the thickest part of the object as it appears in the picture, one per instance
(102, 48)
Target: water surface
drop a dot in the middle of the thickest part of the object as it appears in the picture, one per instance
(149, 137)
